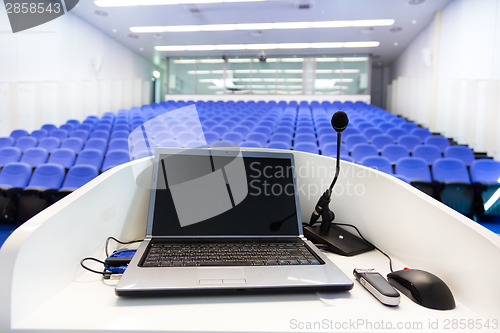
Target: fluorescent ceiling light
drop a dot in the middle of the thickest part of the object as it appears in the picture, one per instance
(271, 46)
(200, 61)
(263, 26)
(130, 3)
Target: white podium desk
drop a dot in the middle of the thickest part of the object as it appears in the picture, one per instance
(44, 289)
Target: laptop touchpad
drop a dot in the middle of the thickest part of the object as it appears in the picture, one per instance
(226, 275)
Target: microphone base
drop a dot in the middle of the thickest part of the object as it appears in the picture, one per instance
(338, 240)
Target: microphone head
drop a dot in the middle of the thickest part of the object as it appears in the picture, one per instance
(339, 121)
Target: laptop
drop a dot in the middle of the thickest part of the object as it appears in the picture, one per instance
(226, 220)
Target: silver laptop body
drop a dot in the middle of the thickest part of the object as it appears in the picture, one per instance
(225, 196)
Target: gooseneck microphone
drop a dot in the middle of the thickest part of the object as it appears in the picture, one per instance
(335, 238)
(339, 124)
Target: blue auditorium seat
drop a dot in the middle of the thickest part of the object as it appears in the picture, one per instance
(90, 156)
(350, 130)
(380, 141)
(261, 138)
(396, 132)
(50, 144)
(101, 134)
(457, 191)
(96, 143)
(243, 130)
(394, 152)
(47, 176)
(49, 127)
(427, 152)
(278, 145)
(385, 126)
(282, 137)
(301, 138)
(233, 137)
(34, 156)
(263, 129)
(26, 142)
(353, 140)
(417, 171)
(252, 144)
(73, 122)
(439, 141)
(463, 153)
(18, 133)
(362, 126)
(6, 142)
(327, 138)
(87, 126)
(102, 126)
(370, 132)
(9, 155)
(170, 143)
(409, 141)
(422, 133)
(81, 134)
(74, 144)
(185, 136)
(362, 150)
(219, 129)
(330, 149)
(379, 163)
(163, 135)
(15, 174)
(211, 137)
(39, 134)
(121, 127)
(13, 178)
(67, 127)
(284, 130)
(59, 133)
(487, 173)
(308, 147)
(114, 158)
(450, 170)
(62, 156)
(408, 126)
(189, 144)
(221, 144)
(78, 176)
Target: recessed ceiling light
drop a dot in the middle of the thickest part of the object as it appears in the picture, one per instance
(129, 3)
(114, 31)
(416, 2)
(263, 26)
(270, 46)
(396, 43)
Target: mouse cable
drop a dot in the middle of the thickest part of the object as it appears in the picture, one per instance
(103, 273)
(120, 242)
(359, 233)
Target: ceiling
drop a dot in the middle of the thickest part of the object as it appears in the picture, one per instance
(411, 17)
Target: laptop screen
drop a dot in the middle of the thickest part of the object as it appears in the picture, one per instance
(205, 192)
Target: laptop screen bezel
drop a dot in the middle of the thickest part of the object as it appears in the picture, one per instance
(229, 151)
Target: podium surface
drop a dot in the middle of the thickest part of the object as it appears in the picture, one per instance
(44, 289)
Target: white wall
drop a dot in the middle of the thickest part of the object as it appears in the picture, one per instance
(448, 79)
(65, 69)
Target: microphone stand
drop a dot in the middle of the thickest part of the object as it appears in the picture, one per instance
(336, 239)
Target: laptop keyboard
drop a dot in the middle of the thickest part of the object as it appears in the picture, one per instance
(229, 254)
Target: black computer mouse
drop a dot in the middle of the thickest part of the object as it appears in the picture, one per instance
(423, 288)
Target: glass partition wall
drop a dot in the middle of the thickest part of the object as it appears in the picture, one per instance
(318, 75)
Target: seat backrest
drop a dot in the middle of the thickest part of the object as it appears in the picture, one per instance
(96, 143)
(429, 153)
(414, 169)
(354, 139)
(396, 132)
(90, 156)
(382, 140)
(26, 142)
(421, 132)
(9, 155)
(62, 156)
(379, 163)
(394, 152)
(450, 170)
(34, 156)
(72, 143)
(485, 171)
(15, 174)
(47, 176)
(6, 142)
(78, 176)
(308, 147)
(114, 158)
(409, 141)
(50, 144)
(437, 140)
(463, 153)
(361, 150)
(330, 149)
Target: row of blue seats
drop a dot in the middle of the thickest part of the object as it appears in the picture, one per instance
(26, 191)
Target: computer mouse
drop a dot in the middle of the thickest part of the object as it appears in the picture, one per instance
(423, 288)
